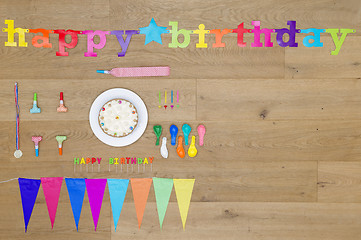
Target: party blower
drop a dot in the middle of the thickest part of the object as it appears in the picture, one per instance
(36, 140)
(60, 140)
(61, 107)
(35, 108)
(137, 72)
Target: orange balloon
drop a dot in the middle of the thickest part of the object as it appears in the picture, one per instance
(180, 150)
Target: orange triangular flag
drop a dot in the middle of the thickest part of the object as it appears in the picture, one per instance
(140, 188)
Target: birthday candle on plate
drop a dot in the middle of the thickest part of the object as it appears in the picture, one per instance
(165, 97)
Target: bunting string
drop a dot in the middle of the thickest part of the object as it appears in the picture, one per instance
(95, 189)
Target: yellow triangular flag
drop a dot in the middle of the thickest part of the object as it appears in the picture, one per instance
(183, 190)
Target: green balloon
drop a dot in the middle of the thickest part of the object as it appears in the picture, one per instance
(158, 132)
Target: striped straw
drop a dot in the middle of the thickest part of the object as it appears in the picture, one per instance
(17, 115)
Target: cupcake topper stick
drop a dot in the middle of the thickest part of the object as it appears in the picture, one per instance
(177, 98)
(172, 100)
(159, 101)
(18, 153)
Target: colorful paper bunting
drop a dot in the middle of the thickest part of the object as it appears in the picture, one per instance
(117, 190)
(140, 188)
(51, 187)
(162, 189)
(29, 189)
(76, 191)
(95, 189)
(183, 190)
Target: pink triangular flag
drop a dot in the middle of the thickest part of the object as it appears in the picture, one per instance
(51, 187)
(95, 189)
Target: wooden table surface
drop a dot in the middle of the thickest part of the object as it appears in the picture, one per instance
(282, 151)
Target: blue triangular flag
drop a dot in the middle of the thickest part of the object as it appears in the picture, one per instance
(29, 189)
(76, 191)
(117, 190)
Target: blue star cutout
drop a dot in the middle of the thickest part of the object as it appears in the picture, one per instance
(153, 32)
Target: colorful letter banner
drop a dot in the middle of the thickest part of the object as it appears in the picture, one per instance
(153, 33)
(117, 190)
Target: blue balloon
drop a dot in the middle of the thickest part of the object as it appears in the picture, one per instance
(173, 133)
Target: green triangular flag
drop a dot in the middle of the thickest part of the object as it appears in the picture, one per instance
(162, 188)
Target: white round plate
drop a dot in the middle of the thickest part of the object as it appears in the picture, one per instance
(123, 94)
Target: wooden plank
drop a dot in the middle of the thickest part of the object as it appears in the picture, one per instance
(12, 223)
(185, 63)
(303, 62)
(339, 182)
(219, 178)
(205, 220)
(80, 94)
(249, 141)
(275, 99)
(284, 140)
(78, 15)
(279, 221)
(228, 14)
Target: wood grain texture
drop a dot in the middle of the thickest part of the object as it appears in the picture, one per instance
(318, 63)
(275, 99)
(281, 158)
(339, 182)
(79, 95)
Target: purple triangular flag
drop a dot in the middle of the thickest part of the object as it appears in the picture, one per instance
(95, 189)
(29, 189)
